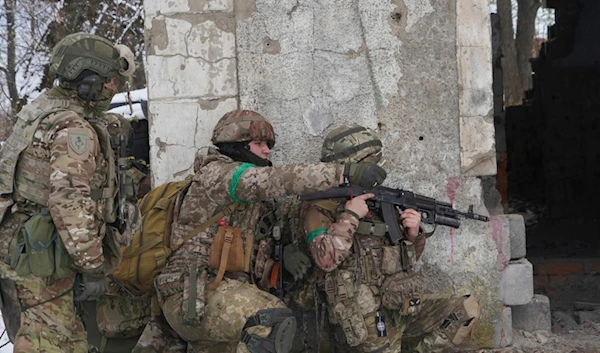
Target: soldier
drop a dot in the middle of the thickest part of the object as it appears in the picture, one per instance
(114, 321)
(213, 291)
(374, 300)
(58, 195)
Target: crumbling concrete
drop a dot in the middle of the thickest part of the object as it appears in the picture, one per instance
(417, 71)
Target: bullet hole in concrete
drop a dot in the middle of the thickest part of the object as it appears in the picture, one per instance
(421, 138)
(379, 126)
(396, 16)
(271, 46)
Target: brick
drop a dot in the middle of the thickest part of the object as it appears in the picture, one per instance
(561, 281)
(517, 282)
(564, 268)
(503, 333)
(591, 267)
(534, 315)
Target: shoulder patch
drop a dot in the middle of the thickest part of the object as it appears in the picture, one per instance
(79, 143)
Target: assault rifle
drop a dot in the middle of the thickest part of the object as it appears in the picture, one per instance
(122, 179)
(387, 200)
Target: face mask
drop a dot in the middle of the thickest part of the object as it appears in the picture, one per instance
(100, 106)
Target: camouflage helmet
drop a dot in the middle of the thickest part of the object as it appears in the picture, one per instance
(242, 126)
(81, 51)
(350, 144)
(116, 125)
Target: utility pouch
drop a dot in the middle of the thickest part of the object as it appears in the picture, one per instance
(19, 260)
(194, 296)
(34, 250)
(344, 306)
(391, 260)
(400, 292)
(119, 316)
(228, 253)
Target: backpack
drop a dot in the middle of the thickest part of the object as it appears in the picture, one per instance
(147, 254)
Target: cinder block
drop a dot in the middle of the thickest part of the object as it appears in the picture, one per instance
(517, 282)
(518, 246)
(533, 316)
(503, 333)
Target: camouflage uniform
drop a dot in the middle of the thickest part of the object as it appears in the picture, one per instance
(217, 319)
(365, 279)
(56, 196)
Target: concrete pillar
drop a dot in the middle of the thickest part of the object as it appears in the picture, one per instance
(418, 71)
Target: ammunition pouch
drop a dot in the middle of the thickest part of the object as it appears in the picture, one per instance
(397, 258)
(280, 339)
(401, 293)
(344, 308)
(371, 227)
(38, 250)
(229, 252)
(194, 295)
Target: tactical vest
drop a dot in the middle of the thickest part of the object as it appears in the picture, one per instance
(25, 169)
(21, 137)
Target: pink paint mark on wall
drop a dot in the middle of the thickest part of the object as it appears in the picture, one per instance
(497, 236)
(452, 184)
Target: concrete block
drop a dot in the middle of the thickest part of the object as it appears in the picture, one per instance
(518, 246)
(533, 316)
(517, 282)
(503, 333)
(477, 146)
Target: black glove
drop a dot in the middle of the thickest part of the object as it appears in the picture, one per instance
(89, 287)
(295, 261)
(364, 174)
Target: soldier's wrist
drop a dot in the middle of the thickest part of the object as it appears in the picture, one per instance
(352, 213)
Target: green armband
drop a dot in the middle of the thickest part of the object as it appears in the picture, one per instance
(315, 233)
(235, 179)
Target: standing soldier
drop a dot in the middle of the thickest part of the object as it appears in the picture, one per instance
(214, 289)
(58, 195)
(374, 301)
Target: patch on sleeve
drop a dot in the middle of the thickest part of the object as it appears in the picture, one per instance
(79, 143)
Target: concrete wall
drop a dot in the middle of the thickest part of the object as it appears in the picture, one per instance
(418, 71)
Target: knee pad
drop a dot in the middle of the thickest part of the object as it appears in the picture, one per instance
(458, 325)
(282, 335)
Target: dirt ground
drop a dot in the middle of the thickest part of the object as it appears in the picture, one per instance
(583, 340)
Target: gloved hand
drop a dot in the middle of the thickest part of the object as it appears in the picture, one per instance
(295, 261)
(364, 174)
(89, 287)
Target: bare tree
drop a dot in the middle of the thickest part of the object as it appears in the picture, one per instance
(516, 49)
(29, 29)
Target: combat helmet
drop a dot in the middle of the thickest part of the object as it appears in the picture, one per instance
(243, 126)
(81, 51)
(350, 144)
